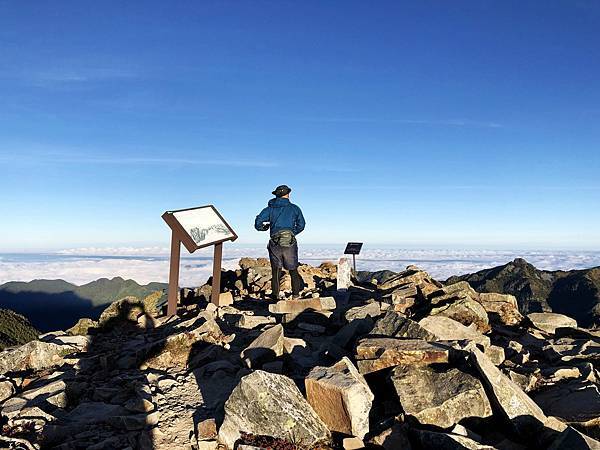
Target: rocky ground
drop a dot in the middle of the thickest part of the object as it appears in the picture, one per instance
(395, 361)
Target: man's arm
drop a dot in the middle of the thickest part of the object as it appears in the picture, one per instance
(259, 222)
(300, 223)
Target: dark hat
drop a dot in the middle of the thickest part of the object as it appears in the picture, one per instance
(282, 190)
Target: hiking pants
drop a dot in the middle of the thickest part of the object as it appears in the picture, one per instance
(284, 258)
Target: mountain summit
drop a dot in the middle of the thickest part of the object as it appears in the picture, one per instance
(575, 293)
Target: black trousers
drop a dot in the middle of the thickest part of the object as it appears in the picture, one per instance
(284, 258)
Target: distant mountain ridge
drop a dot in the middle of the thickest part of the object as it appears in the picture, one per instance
(575, 293)
(58, 304)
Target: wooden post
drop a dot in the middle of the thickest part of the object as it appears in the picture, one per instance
(174, 275)
(216, 282)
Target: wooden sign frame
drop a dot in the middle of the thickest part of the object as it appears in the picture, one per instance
(179, 235)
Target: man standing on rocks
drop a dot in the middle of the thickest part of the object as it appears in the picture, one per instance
(285, 220)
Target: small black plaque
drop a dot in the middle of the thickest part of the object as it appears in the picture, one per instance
(353, 248)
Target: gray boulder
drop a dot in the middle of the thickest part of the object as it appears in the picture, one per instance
(269, 404)
(440, 397)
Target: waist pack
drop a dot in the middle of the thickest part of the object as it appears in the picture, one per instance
(284, 238)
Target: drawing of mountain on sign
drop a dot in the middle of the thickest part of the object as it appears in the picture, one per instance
(211, 233)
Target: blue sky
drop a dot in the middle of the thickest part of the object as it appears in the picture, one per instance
(432, 124)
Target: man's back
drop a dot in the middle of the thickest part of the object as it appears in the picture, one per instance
(280, 214)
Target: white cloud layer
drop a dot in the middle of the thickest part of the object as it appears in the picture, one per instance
(148, 264)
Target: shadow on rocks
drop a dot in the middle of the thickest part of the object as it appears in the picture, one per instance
(109, 401)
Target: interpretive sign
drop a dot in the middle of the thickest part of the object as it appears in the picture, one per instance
(196, 228)
(353, 248)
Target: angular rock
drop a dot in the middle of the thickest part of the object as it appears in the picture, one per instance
(270, 404)
(394, 438)
(250, 322)
(373, 354)
(265, 348)
(372, 309)
(52, 394)
(7, 389)
(341, 397)
(453, 291)
(448, 441)
(34, 355)
(502, 308)
(466, 311)
(393, 324)
(571, 439)
(82, 327)
(575, 402)
(298, 306)
(447, 329)
(289, 344)
(495, 353)
(549, 322)
(441, 396)
(567, 350)
(522, 412)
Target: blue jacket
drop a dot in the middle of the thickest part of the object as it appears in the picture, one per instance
(280, 214)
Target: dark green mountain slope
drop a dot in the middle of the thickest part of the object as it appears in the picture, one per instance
(15, 329)
(56, 304)
(575, 293)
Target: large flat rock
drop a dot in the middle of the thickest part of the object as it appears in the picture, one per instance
(574, 401)
(269, 404)
(297, 306)
(440, 396)
(393, 324)
(373, 354)
(447, 329)
(517, 407)
(549, 322)
(341, 397)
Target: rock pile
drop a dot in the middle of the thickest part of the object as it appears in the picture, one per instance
(396, 361)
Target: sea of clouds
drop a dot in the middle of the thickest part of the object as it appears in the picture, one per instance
(82, 265)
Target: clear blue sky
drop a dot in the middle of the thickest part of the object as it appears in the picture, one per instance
(411, 123)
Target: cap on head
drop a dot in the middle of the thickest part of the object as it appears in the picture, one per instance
(282, 190)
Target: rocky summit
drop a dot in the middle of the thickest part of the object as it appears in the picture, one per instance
(392, 361)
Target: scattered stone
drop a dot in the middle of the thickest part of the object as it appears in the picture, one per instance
(266, 347)
(375, 354)
(312, 327)
(549, 322)
(495, 353)
(269, 404)
(441, 396)
(289, 344)
(394, 438)
(341, 397)
(251, 322)
(352, 443)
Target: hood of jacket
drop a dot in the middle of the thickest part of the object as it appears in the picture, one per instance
(279, 202)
